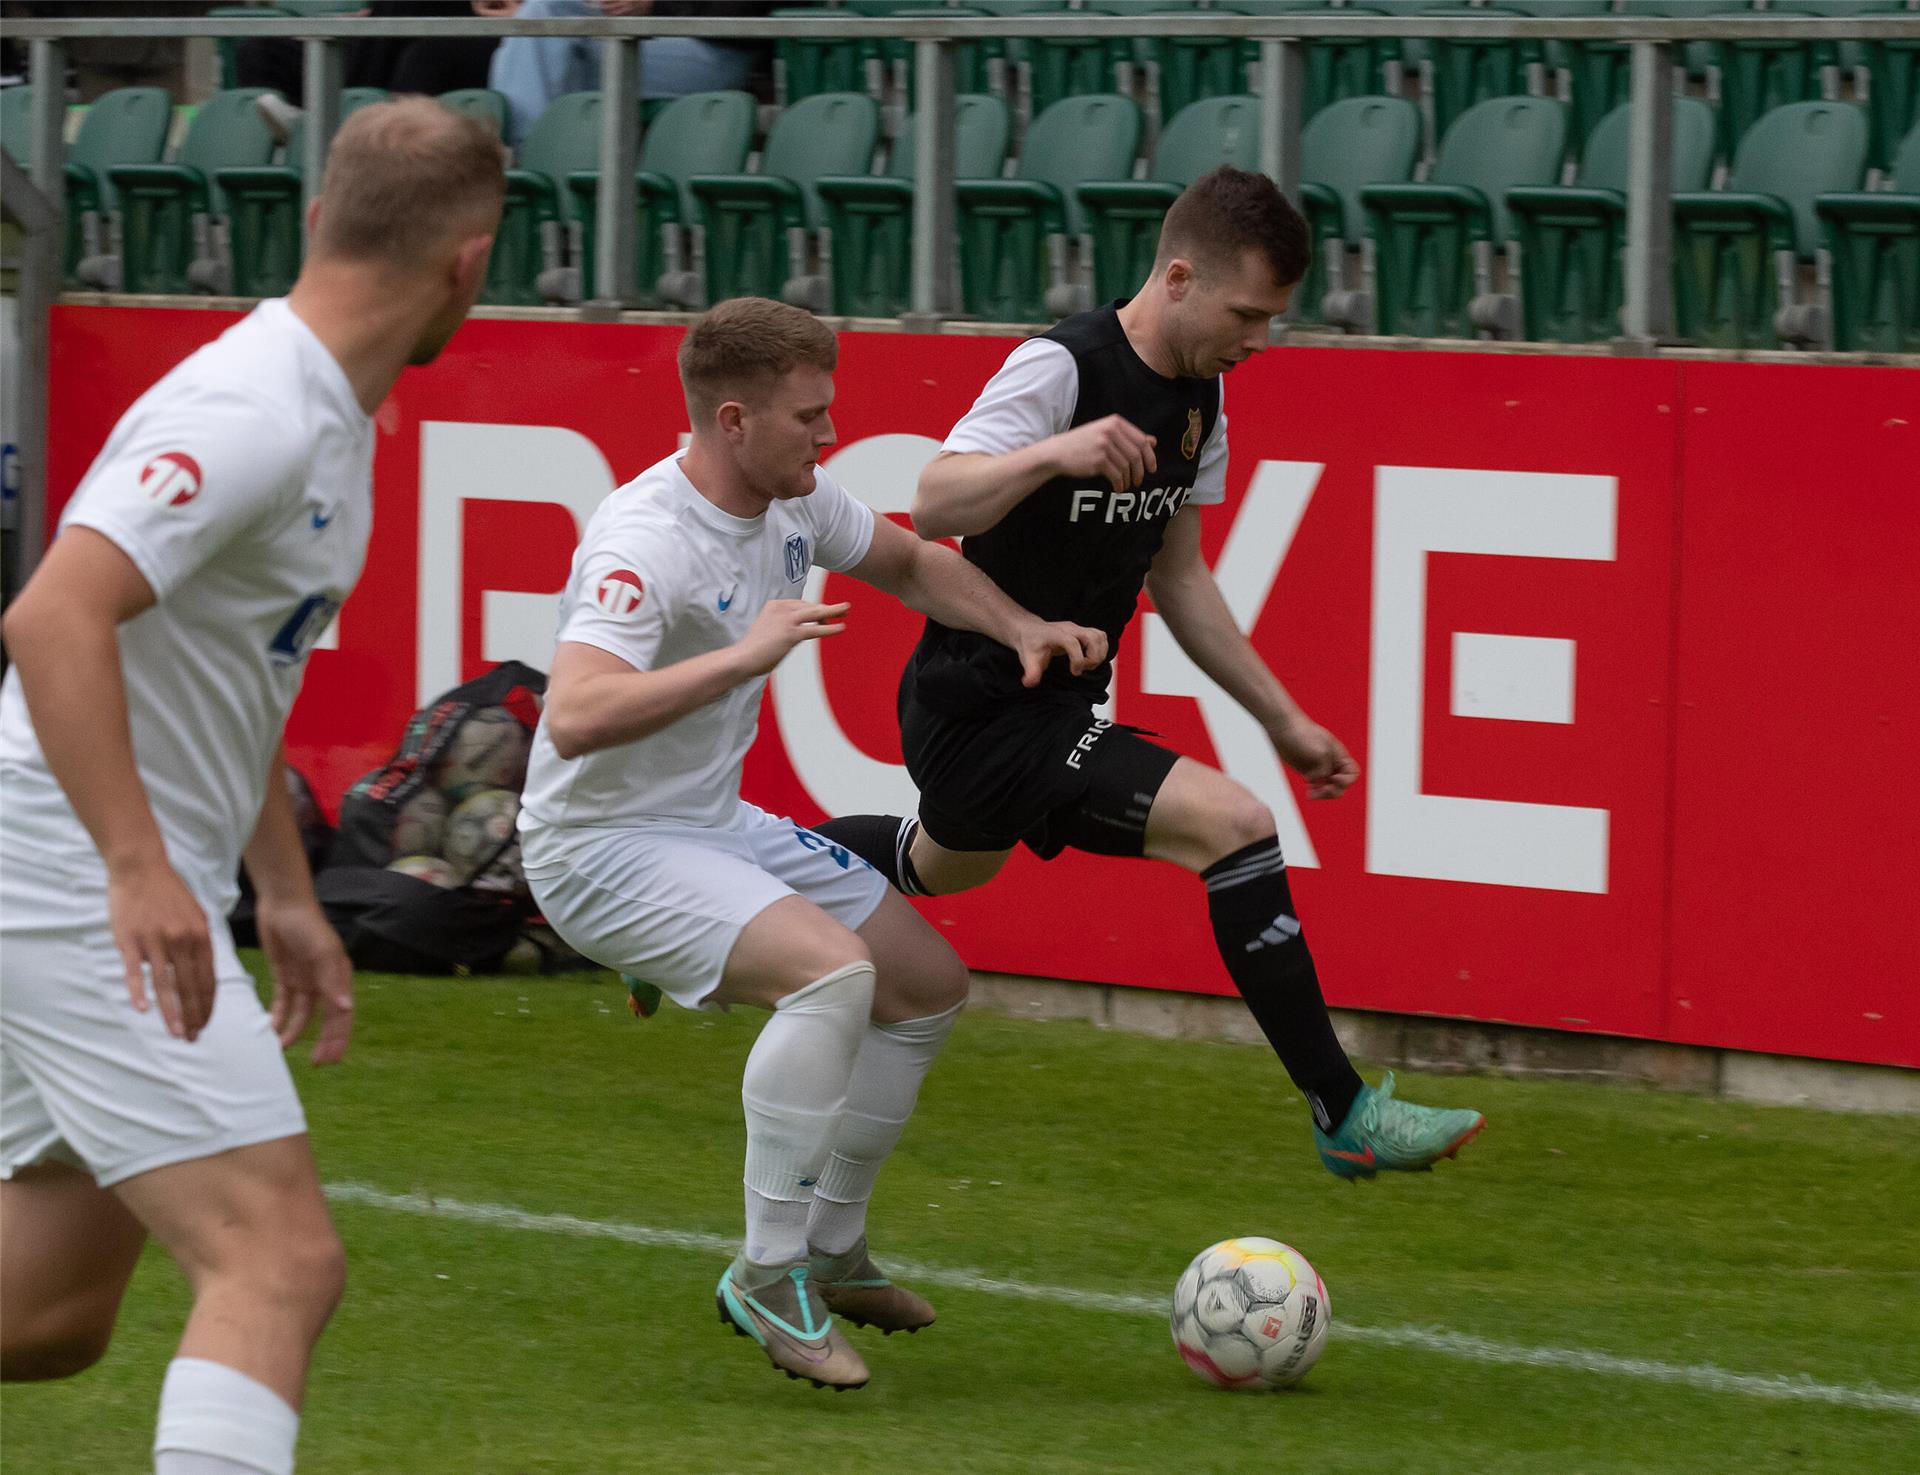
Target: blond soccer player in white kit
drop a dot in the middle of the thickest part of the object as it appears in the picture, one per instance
(155, 653)
(684, 594)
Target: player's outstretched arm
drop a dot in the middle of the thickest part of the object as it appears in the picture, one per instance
(1187, 598)
(62, 634)
(309, 964)
(936, 581)
(596, 700)
(962, 493)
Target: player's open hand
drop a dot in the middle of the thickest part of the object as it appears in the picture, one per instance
(782, 625)
(161, 931)
(1114, 448)
(309, 967)
(1042, 641)
(1317, 756)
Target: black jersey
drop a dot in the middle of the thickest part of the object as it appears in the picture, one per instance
(1075, 549)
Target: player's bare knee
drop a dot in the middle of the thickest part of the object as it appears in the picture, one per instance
(67, 1353)
(1239, 820)
(303, 1271)
(818, 957)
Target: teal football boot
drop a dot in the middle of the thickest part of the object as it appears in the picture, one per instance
(643, 998)
(1397, 1136)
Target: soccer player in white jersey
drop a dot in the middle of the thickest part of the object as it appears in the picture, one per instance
(684, 595)
(155, 653)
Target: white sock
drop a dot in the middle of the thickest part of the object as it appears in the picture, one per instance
(894, 1059)
(793, 1091)
(215, 1420)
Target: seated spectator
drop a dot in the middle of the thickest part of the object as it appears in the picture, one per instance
(430, 64)
(533, 70)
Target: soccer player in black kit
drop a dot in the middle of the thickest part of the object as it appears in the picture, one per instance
(1078, 477)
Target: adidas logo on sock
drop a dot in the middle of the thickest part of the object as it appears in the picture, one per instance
(1281, 929)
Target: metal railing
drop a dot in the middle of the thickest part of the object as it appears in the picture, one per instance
(1648, 315)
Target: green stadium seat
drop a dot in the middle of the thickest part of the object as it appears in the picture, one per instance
(1570, 239)
(1431, 246)
(1470, 69)
(806, 66)
(1873, 260)
(1893, 98)
(1735, 251)
(168, 211)
(484, 103)
(1014, 232)
(756, 227)
(1123, 216)
(702, 133)
(16, 123)
(263, 236)
(1071, 64)
(868, 245)
(228, 47)
(1337, 67)
(1758, 74)
(532, 235)
(1181, 70)
(1558, 58)
(1356, 142)
(125, 126)
(978, 66)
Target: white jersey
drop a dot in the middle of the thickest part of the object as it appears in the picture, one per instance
(241, 486)
(663, 575)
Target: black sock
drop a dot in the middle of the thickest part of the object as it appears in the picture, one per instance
(884, 841)
(1260, 941)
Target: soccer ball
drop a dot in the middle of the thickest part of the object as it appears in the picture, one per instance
(426, 868)
(480, 828)
(489, 751)
(421, 824)
(1250, 1313)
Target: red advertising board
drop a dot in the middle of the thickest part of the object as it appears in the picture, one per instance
(1617, 643)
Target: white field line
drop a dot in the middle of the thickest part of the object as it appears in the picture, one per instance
(1704, 1376)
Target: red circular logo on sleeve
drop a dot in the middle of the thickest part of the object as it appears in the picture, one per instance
(171, 479)
(619, 594)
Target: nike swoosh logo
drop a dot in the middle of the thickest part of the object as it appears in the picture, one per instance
(320, 522)
(1365, 1159)
(724, 601)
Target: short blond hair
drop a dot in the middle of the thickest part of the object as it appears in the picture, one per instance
(744, 345)
(405, 175)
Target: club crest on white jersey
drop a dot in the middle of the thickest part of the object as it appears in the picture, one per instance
(797, 560)
(619, 594)
(171, 479)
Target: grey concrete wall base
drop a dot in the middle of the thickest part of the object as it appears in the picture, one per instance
(1453, 1045)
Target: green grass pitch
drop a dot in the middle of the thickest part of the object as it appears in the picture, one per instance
(1724, 1288)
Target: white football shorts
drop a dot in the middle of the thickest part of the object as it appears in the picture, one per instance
(88, 1080)
(666, 903)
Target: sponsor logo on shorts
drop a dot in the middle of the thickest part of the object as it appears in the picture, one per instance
(724, 602)
(821, 845)
(1079, 750)
(797, 561)
(171, 479)
(619, 594)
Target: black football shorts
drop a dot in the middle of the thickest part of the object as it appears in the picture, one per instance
(1046, 774)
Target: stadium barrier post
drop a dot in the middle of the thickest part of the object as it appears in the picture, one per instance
(320, 64)
(933, 223)
(1649, 264)
(41, 253)
(613, 243)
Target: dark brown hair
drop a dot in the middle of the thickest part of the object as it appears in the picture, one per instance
(404, 175)
(745, 344)
(1228, 211)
